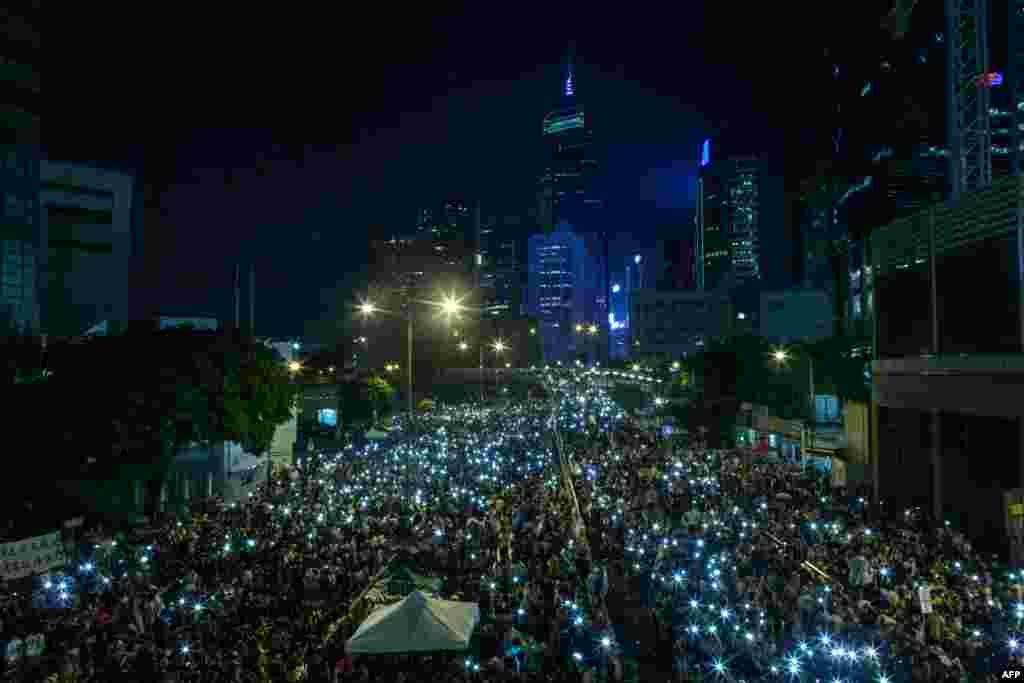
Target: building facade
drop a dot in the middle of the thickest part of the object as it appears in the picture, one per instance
(500, 272)
(565, 188)
(557, 294)
(796, 315)
(668, 325)
(728, 221)
(87, 227)
(21, 244)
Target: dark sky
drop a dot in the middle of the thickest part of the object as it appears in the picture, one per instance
(331, 127)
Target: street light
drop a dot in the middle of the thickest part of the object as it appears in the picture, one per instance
(498, 347)
(450, 306)
(463, 346)
(781, 356)
(294, 366)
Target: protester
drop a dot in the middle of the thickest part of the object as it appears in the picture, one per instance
(592, 546)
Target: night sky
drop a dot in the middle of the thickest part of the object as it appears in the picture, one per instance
(285, 140)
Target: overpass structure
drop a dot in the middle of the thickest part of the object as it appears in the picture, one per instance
(947, 394)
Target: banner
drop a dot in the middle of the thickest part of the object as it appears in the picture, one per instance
(31, 556)
(33, 646)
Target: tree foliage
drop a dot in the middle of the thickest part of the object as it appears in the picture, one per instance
(784, 387)
(154, 392)
(379, 391)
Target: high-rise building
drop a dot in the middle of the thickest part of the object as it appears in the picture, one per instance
(728, 239)
(557, 295)
(424, 224)
(499, 271)
(743, 210)
(673, 264)
(618, 322)
(565, 186)
(565, 190)
(22, 244)
(87, 223)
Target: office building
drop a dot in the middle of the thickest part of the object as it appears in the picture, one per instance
(499, 270)
(949, 373)
(21, 243)
(558, 269)
(453, 233)
(669, 324)
(673, 264)
(618, 322)
(565, 191)
(87, 226)
(795, 315)
(728, 242)
(565, 188)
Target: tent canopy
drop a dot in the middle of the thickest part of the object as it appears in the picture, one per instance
(418, 623)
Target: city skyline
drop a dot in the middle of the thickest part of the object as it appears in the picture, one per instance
(225, 186)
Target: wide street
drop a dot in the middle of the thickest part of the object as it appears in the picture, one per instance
(594, 550)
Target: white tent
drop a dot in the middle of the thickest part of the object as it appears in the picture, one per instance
(418, 623)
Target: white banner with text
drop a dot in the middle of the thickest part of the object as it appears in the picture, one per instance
(31, 555)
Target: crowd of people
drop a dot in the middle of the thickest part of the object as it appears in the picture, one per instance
(597, 550)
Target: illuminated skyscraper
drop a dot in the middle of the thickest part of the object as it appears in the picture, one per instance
(453, 232)
(565, 185)
(499, 271)
(728, 224)
(565, 191)
(558, 270)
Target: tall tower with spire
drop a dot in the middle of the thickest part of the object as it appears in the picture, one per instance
(565, 189)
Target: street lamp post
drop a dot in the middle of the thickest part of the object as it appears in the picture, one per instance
(450, 306)
(408, 361)
(781, 356)
(498, 346)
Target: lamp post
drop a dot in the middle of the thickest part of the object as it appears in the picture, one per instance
(449, 306)
(498, 346)
(588, 329)
(781, 356)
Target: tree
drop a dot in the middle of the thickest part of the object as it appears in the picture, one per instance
(23, 357)
(354, 402)
(379, 392)
(153, 393)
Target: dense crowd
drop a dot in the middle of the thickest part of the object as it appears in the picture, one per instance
(595, 549)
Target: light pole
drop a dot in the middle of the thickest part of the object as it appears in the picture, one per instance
(498, 346)
(589, 329)
(449, 306)
(463, 346)
(781, 356)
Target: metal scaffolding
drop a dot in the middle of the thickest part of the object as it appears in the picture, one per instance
(967, 98)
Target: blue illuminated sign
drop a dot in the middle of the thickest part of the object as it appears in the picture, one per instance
(705, 152)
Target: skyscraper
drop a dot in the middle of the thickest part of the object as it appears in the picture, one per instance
(565, 189)
(565, 185)
(728, 223)
(499, 271)
(452, 233)
(22, 243)
(557, 273)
